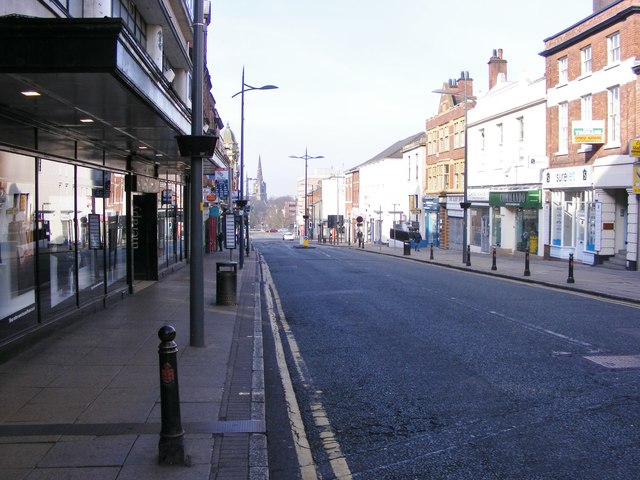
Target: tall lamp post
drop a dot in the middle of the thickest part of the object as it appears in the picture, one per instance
(465, 204)
(241, 201)
(306, 157)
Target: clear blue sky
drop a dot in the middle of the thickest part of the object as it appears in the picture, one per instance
(354, 77)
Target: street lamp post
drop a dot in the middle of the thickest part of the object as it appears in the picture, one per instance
(241, 201)
(465, 204)
(306, 157)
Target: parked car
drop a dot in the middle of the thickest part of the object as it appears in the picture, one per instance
(288, 236)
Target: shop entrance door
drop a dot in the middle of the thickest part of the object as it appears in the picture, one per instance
(144, 237)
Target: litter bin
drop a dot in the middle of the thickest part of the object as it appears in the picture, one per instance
(226, 283)
(407, 248)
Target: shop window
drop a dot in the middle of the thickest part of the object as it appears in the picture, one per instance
(57, 251)
(17, 243)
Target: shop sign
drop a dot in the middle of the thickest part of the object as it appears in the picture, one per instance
(94, 231)
(634, 148)
(567, 177)
(636, 178)
(587, 131)
(431, 203)
(520, 199)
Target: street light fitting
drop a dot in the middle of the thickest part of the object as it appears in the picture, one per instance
(248, 88)
(454, 93)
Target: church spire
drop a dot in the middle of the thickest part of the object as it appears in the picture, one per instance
(259, 186)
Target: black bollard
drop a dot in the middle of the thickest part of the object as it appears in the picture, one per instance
(171, 445)
(493, 260)
(468, 255)
(570, 279)
(527, 272)
(431, 252)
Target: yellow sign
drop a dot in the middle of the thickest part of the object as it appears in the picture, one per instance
(636, 178)
(634, 149)
(587, 131)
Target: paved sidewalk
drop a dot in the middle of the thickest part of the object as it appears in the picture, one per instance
(623, 285)
(84, 402)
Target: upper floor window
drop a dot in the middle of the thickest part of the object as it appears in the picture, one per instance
(482, 139)
(563, 70)
(133, 21)
(613, 120)
(563, 128)
(520, 129)
(613, 48)
(586, 107)
(585, 60)
(500, 133)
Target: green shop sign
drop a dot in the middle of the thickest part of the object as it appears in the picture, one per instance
(520, 199)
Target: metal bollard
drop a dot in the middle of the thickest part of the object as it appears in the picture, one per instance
(431, 252)
(493, 260)
(171, 445)
(527, 272)
(468, 255)
(570, 279)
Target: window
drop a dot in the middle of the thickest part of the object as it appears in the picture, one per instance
(520, 129)
(585, 107)
(447, 145)
(613, 48)
(500, 133)
(482, 139)
(563, 70)
(563, 128)
(585, 60)
(456, 135)
(613, 119)
(132, 19)
(445, 180)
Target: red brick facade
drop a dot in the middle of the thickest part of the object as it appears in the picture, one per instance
(622, 17)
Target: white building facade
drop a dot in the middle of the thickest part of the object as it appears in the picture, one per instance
(506, 154)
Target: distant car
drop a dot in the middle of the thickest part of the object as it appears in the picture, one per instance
(288, 236)
(273, 230)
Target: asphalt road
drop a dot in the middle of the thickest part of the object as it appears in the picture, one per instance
(403, 370)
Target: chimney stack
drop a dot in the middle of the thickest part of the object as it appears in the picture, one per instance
(464, 83)
(497, 66)
(600, 4)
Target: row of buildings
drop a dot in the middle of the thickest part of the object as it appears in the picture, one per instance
(551, 163)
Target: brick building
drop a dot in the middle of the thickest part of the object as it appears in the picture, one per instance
(592, 111)
(445, 164)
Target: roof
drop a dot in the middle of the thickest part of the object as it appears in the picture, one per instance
(394, 151)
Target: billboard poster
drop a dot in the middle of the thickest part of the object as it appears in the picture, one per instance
(221, 177)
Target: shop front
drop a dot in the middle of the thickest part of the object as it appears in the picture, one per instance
(431, 206)
(573, 212)
(68, 232)
(516, 219)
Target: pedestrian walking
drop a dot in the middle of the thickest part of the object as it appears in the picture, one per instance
(220, 240)
(417, 238)
(360, 239)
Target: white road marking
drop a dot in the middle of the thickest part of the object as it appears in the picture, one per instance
(330, 443)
